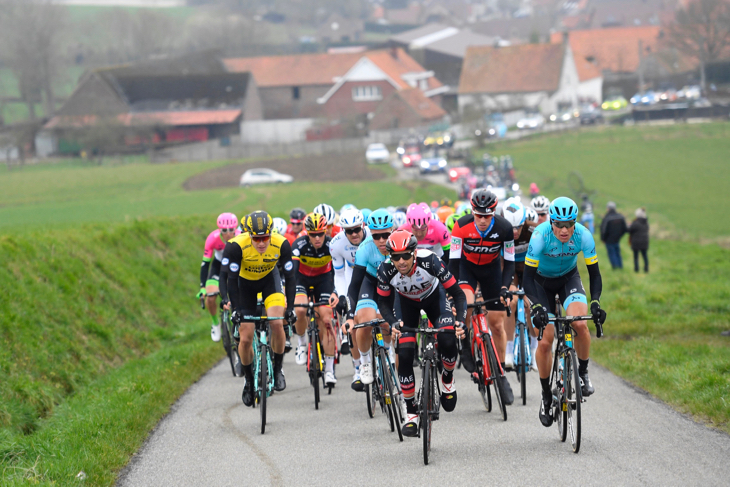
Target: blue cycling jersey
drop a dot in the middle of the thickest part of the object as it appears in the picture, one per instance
(554, 258)
(369, 256)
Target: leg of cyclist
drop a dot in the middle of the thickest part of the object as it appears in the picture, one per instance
(572, 294)
(211, 295)
(466, 358)
(327, 338)
(410, 315)
(300, 327)
(366, 310)
(439, 313)
(544, 353)
(509, 329)
(245, 351)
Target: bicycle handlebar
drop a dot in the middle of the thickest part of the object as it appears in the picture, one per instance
(248, 318)
(375, 322)
(482, 303)
(312, 305)
(571, 319)
(431, 331)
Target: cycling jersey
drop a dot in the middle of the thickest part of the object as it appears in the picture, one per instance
(552, 258)
(481, 248)
(437, 238)
(309, 260)
(523, 241)
(343, 260)
(369, 256)
(213, 252)
(361, 290)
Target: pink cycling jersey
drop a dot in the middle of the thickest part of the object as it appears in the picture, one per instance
(214, 246)
(437, 238)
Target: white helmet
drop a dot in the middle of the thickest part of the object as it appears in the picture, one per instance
(348, 206)
(399, 219)
(351, 218)
(514, 212)
(530, 215)
(278, 225)
(541, 204)
(327, 211)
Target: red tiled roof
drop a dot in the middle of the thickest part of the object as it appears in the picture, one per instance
(395, 63)
(614, 49)
(172, 119)
(586, 69)
(426, 108)
(524, 68)
(294, 70)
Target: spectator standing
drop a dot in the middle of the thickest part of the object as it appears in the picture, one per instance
(613, 227)
(639, 238)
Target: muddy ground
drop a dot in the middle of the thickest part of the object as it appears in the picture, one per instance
(328, 167)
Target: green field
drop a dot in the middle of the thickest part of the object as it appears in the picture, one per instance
(679, 173)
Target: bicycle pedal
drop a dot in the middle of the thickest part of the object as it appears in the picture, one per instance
(583, 399)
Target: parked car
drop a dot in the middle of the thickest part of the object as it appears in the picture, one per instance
(456, 173)
(668, 95)
(264, 176)
(690, 92)
(439, 139)
(377, 154)
(590, 114)
(615, 103)
(564, 116)
(433, 164)
(411, 157)
(646, 98)
(531, 121)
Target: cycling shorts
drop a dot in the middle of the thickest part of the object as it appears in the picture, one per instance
(211, 284)
(438, 311)
(489, 279)
(323, 286)
(368, 294)
(270, 291)
(568, 287)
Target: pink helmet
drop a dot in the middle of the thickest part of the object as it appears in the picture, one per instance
(227, 220)
(418, 215)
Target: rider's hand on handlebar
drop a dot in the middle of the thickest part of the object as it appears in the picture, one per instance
(342, 305)
(539, 315)
(201, 293)
(236, 318)
(505, 296)
(226, 305)
(347, 326)
(290, 317)
(395, 329)
(599, 316)
(333, 300)
(459, 329)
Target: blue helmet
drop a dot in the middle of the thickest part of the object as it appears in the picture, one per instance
(563, 209)
(365, 214)
(380, 219)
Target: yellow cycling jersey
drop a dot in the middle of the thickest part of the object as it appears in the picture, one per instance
(254, 265)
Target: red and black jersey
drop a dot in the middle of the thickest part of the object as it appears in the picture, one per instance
(310, 261)
(420, 283)
(482, 248)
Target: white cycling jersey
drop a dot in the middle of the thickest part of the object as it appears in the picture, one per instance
(343, 260)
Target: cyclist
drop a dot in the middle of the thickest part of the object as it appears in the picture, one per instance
(343, 248)
(422, 281)
(550, 269)
(541, 205)
(250, 261)
(313, 268)
(429, 231)
(279, 226)
(210, 268)
(365, 215)
(296, 224)
(516, 214)
(444, 212)
(476, 243)
(329, 215)
(361, 291)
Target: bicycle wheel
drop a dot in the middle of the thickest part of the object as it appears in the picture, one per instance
(398, 404)
(573, 398)
(522, 365)
(314, 367)
(426, 406)
(386, 397)
(482, 375)
(370, 399)
(561, 411)
(225, 334)
(494, 370)
(263, 385)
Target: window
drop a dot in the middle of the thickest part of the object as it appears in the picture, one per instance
(295, 92)
(366, 93)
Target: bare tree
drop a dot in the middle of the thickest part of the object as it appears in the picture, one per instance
(702, 30)
(30, 43)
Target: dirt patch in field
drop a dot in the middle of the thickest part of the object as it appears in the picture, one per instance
(328, 167)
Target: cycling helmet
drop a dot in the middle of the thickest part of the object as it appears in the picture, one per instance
(315, 222)
(450, 221)
(483, 201)
(514, 212)
(401, 241)
(540, 203)
(446, 202)
(402, 209)
(391, 209)
(351, 218)
(463, 209)
(297, 215)
(563, 209)
(530, 215)
(327, 211)
(434, 204)
(380, 219)
(418, 215)
(399, 219)
(278, 226)
(227, 220)
(366, 214)
(258, 223)
(444, 212)
(348, 206)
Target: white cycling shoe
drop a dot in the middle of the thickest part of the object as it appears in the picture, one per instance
(509, 361)
(300, 356)
(366, 373)
(215, 333)
(329, 378)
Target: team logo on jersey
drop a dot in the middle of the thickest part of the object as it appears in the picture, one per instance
(455, 244)
(225, 261)
(509, 248)
(234, 267)
(295, 252)
(288, 266)
(494, 235)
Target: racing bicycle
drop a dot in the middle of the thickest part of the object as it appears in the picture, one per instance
(315, 353)
(263, 375)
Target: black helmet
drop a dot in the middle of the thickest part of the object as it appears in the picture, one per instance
(258, 223)
(297, 215)
(483, 201)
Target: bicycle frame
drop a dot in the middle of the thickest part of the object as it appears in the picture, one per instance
(479, 336)
(521, 333)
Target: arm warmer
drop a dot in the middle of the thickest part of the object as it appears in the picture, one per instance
(459, 301)
(454, 267)
(204, 270)
(596, 283)
(508, 273)
(528, 282)
(290, 277)
(385, 305)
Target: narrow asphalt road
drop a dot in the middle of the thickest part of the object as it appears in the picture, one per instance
(629, 438)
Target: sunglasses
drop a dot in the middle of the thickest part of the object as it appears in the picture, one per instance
(316, 234)
(542, 214)
(295, 222)
(399, 257)
(351, 231)
(482, 216)
(380, 236)
(262, 239)
(227, 230)
(563, 224)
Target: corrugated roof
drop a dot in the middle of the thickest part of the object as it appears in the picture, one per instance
(411, 35)
(614, 49)
(426, 108)
(395, 63)
(294, 70)
(525, 68)
(456, 45)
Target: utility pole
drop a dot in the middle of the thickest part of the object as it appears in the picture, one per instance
(641, 67)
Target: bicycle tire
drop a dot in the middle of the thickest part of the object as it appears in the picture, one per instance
(225, 333)
(574, 398)
(426, 405)
(314, 367)
(398, 400)
(494, 370)
(369, 400)
(236, 359)
(482, 376)
(386, 397)
(523, 365)
(263, 385)
(560, 413)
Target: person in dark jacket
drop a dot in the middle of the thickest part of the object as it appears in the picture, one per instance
(639, 238)
(613, 227)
